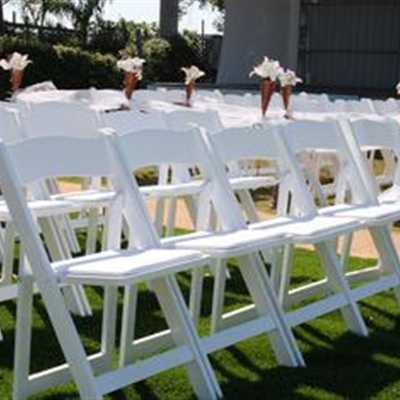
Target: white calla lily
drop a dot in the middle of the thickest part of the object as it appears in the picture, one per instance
(289, 78)
(193, 73)
(134, 64)
(268, 69)
(398, 88)
(16, 62)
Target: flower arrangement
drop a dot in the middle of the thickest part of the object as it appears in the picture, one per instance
(288, 81)
(133, 69)
(16, 64)
(269, 71)
(191, 75)
(289, 78)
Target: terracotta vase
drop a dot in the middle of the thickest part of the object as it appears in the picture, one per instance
(16, 78)
(130, 82)
(267, 88)
(189, 88)
(286, 92)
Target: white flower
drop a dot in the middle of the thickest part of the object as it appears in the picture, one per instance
(192, 73)
(398, 88)
(17, 62)
(267, 69)
(289, 78)
(132, 65)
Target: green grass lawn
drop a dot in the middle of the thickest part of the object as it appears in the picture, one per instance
(340, 365)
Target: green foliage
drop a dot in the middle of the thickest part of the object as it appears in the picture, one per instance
(67, 67)
(157, 54)
(44, 58)
(79, 69)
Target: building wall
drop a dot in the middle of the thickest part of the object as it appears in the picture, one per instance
(350, 45)
(254, 28)
(342, 45)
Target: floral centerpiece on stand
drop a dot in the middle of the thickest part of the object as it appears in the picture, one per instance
(16, 64)
(268, 71)
(133, 69)
(191, 75)
(288, 81)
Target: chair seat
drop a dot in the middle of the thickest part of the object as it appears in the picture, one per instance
(173, 189)
(310, 229)
(380, 214)
(41, 208)
(252, 182)
(88, 197)
(125, 267)
(224, 244)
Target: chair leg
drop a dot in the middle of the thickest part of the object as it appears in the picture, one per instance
(266, 303)
(92, 227)
(159, 215)
(128, 325)
(171, 216)
(183, 331)
(68, 339)
(286, 273)
(218, 295)
(109, 323)
(196, 292)
(350, 311)
(23, 333)
(387, 254)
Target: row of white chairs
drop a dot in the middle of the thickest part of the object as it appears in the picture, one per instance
(150, 259)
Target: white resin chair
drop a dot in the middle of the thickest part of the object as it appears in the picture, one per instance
(386, 107)
(71, 120)
(357, 187)
(232, 240)
(303, 225)
(144, 261)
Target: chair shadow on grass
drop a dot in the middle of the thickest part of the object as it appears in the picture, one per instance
(339, 364)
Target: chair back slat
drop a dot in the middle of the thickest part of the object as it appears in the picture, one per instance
(45, 157)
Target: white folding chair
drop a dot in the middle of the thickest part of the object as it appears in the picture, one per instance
(304, 225)
(144, 261)
(71, 119)
(233, 240)
(356, 186)
(385, 107)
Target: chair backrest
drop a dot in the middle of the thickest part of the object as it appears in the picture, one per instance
(377, 133)
(183, 147)
(185, 119)
(385, 107)
(133, 120)
(11, 129)
(307, 103)
(60, 119)
(328, 136)
(245, 99)
(209, 95)
(142, 96)
(261, 143)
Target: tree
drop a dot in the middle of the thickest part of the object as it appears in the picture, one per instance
(81, 13)
(37, 11)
